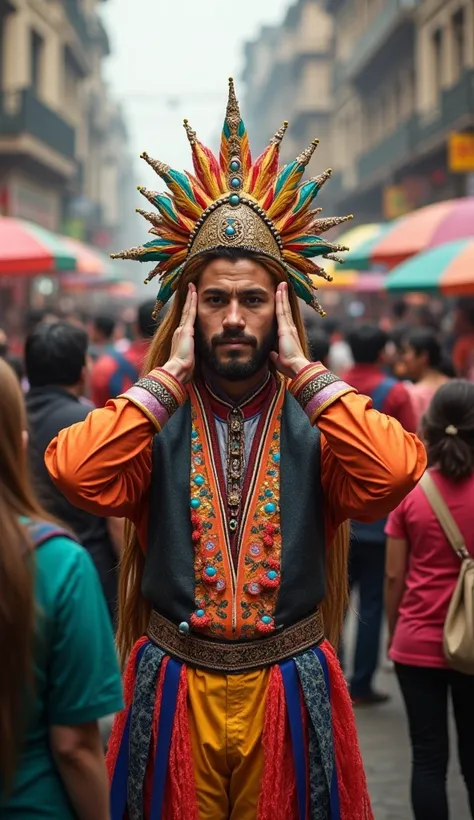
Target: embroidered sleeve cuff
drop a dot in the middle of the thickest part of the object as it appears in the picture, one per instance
(315, 388)
(158, 395)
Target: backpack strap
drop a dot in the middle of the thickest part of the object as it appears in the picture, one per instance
(42, 531)
(125, 368)
(380, 393)
(442, 513)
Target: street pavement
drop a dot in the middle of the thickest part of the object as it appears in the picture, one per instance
(386, 752)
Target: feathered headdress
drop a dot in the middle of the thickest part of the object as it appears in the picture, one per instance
(232, 202)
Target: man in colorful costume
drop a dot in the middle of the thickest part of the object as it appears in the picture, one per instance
(237, 462)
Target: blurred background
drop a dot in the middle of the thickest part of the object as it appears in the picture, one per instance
(86, 85)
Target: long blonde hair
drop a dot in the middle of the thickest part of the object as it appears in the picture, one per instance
(134, 609)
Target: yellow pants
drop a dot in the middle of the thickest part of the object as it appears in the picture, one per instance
(226, 719)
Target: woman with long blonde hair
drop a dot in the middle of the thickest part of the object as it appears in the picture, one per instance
(58, 672)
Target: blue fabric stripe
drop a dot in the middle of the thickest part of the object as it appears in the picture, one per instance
(165, 728)
(141, 727)
(334, 790)
(118, 789)
(293, 705)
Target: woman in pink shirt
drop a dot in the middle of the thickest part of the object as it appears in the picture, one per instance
(422, 357)
(421, 574)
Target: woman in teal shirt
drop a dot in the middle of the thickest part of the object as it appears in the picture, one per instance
(58, 668)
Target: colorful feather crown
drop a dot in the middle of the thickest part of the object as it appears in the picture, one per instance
(234, 203)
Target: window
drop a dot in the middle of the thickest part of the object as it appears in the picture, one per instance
(459, 29)
(36, 60)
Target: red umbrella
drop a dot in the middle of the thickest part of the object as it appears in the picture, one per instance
(27, 249)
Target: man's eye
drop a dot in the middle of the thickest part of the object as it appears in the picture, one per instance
(215, 300)
(253, 300)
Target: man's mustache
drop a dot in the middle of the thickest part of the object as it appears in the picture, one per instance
(232, 336)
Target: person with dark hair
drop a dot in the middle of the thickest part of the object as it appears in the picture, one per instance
(421, 574)
(463, 350)
(319, 344)
(367, 556)
(55, 361)
(101, 332)
(143, 330)
(116, 370)
(113, 371)
(58, 673)
(422, 357)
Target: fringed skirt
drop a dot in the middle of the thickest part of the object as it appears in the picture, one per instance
(311, 768)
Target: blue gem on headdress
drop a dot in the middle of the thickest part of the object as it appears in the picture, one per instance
(210, 572)
(270, 508)
(230, 231)
(276, 457)
(235, 182)
(272, 574)
(199, 479)
(266, 619)
(235, 165)
(234, 200)
(200, 613)
(195, 503)
(184, 628)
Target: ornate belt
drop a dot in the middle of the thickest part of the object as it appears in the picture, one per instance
(239, 655)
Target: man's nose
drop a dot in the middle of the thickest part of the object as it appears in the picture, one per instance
(234, 315)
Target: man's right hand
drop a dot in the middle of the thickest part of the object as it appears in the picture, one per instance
(181, 361)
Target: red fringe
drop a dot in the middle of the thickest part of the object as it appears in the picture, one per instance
(353, 793)
(120, 720)
(277, 799)
(180, 798)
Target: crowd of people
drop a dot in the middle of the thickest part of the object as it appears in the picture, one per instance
(51, 755)
(208, 489)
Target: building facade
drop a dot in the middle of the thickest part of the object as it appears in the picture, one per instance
(403, 116)
(58, 127)
(287, 76)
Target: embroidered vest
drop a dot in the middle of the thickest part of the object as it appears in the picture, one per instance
(189, 573)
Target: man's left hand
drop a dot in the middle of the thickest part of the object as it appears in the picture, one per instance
(290, 358)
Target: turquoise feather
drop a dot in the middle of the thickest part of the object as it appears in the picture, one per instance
(315, 246)
(168, 285)
(163, 202)
(302, 285)
(283, 176)
(183, 182)
(306, 194)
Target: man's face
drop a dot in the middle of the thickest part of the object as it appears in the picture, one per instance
(236, 325)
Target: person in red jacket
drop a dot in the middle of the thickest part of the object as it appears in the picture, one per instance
(367, 556)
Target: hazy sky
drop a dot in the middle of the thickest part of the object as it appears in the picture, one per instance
(171, 59)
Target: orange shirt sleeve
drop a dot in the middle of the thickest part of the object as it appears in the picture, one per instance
(369, 462)
(103, 464)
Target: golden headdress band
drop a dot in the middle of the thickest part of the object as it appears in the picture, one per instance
(234, 203)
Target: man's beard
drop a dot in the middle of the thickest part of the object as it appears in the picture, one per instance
(234, 369)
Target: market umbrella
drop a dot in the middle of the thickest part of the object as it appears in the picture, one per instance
(90, 261)
(27, 249)
(353, 281)
(447, 269)
(415, 233)
(360, 241)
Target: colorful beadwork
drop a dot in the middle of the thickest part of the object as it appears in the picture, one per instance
(238, 604)
(211, 570)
